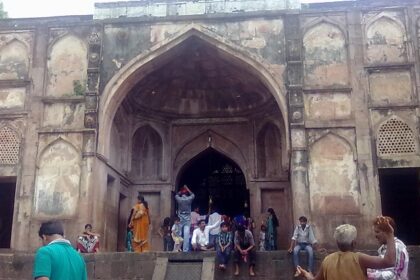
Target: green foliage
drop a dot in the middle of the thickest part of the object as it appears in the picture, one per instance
(3, 13)
(79, 88)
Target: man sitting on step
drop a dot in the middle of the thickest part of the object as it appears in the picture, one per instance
(200, 238)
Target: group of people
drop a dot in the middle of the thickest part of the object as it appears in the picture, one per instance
(190, 231)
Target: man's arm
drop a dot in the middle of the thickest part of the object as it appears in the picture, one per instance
(42, 278)
(42, 265)
(194, 237)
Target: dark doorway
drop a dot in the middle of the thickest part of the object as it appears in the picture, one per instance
(400, 195)
(211, 174)
(7, 201)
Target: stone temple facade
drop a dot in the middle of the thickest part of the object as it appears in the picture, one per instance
(311, 110)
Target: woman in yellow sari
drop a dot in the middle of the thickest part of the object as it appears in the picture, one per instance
(140, 222)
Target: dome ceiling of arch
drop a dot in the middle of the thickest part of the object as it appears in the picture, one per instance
(200, 81)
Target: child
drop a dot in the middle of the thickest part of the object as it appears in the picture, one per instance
(262, 237)
(224, 245)
(176, 235)
(129, 240)
(165, 233)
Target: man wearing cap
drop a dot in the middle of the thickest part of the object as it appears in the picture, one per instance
(57, 259)
(184, 198)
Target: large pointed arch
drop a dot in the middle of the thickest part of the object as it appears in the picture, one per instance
(139, 67)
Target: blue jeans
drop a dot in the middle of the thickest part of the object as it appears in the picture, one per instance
(185, 226)
(308, 248)
(223, 256)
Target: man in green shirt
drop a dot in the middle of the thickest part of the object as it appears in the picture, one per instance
(57, 259)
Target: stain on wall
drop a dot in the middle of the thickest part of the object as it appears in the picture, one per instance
(385, 41)
(57, 181)
(14, 61)
(333, 176)
(390, 87)
(325, 56)
(67, 66)
(327, 106)
(12, 98)
(69, 115)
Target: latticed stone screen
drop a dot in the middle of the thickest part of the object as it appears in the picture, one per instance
(9, 146)
(395, 137)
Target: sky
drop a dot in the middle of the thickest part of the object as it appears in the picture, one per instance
(43, 8)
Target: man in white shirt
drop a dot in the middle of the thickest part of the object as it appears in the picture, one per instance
(200, 238)
(214, 218)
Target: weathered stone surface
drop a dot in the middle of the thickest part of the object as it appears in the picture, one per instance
(325, 53)
(327, 106)
(67, 67)
(390, 87)
(12, 98)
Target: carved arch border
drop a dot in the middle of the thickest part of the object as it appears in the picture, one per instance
(323, 19)
(236, 155)
(319, 137)
(59, 37)
(119, 85)
(163, 140)
(53, 142)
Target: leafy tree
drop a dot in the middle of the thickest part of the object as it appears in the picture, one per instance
(3, 13)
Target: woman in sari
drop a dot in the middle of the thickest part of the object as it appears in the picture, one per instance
(271, 234)
(139, 222)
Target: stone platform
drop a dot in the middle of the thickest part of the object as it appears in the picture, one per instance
(164, 266)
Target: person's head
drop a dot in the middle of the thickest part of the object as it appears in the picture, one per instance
(241, 230)
(224, 227)
(167, 222)
(202, 224)
(88, 227)
(183, 191)
(263, 228)
(177, 220)
(379, 228)
(140, 198)
(196, 209)
(50, 231)
(271, 211)
(345, 236)
(303, 220)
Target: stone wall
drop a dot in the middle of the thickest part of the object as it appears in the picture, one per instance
(270, 265)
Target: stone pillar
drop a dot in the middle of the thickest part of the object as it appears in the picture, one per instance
(299, 154)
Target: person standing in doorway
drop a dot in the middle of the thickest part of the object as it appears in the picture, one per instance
(272, 224)
(57, 259)
(140, 222)
(184, 199)
(303, 239)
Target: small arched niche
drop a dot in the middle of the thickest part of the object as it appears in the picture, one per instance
(146, 154)
(333, 176)
(57, 180)
(67, 67)
(385, 41)
(14, 61)
(325, 53)
(269, 151)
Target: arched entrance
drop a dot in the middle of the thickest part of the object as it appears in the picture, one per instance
(196, 96)
(211, 175)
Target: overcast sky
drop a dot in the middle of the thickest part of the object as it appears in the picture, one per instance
(43, 8)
